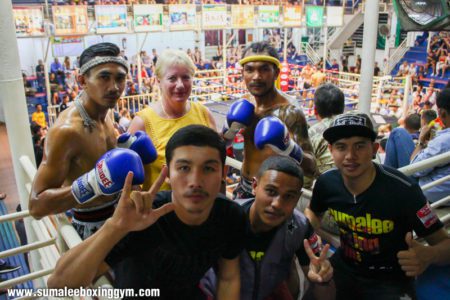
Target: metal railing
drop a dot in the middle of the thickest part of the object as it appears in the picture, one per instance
(312, 55)
(395, 57)
(54, 235)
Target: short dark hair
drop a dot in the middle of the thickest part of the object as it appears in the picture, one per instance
(196, 135)
(443, 100)
(329, 100)
(383, 143)
(429, 115)
(284, 164)
(100, 49)
(412, 122)
(261, 47)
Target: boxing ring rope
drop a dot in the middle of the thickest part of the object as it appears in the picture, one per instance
(224, 84)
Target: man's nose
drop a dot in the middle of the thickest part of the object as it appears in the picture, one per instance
(195, 179)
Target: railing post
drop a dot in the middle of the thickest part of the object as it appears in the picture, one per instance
(15, 107)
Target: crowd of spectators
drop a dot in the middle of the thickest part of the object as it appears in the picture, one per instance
(438, 56)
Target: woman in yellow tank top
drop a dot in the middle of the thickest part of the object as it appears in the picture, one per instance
(174, 72)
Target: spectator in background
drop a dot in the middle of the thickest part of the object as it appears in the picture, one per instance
(427, 116)
(39, 117)
(40, 73)
(382, 150)
(65, 103)
(404, 69)
(428, 147)
(328, 103)
(122, 54)
(38, 136)
(70, 82)
(125, 119)
(56, 67)
(154, 56)
(66, 66)
(376, 70)
(400, 144)
(334, 66)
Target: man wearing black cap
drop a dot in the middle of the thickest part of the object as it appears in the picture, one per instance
(376, 208)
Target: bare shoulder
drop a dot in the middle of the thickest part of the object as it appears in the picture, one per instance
(67, 130)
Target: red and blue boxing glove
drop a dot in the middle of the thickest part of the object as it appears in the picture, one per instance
(108, 175)
(139, 143)
(272, 132)
(239, 116)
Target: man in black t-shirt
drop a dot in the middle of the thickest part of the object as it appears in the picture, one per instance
(175, 236)
(277, 233)
(376, 208)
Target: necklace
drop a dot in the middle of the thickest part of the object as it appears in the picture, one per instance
(87, 121)
(174, 117)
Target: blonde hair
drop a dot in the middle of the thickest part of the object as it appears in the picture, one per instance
(171, 57)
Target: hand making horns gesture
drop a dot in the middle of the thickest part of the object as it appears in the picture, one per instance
(134, 211)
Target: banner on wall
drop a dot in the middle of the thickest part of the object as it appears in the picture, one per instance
(67, 46)
(182, 17)
(214, 16)
(70, 20)
(268, 16)
(29, 21)
(292, 16)
(335, 16)
(148, 17)
(314, 16)
(242, 16)
(111, 18)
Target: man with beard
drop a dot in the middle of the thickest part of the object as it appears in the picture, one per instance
(270, 120)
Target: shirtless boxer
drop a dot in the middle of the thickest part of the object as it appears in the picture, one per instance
(264, 134)
(307, 72)
(81, 135)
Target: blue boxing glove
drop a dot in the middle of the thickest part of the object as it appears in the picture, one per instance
(139, 143)
(272, 132)
(239, 116)
(108, 176)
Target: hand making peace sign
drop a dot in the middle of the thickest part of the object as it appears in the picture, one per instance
(320, 269)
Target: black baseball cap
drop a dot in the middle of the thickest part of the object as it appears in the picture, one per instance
(349, 125)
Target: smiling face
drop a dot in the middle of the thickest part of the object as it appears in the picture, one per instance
(277, 194)
(176, 83)
(104, 84)
(195, 175)
(353, 156)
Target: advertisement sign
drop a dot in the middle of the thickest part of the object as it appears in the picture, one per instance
(67, 46)
(70, 20)
(214, 16)
(111, 18)
(148, 18)
(292, 16)
(314, 16)
(242, 16)
(182, 17)
(268, 16)
(29, 21)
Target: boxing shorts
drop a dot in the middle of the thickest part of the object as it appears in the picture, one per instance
(87, 221)
(244, 189)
